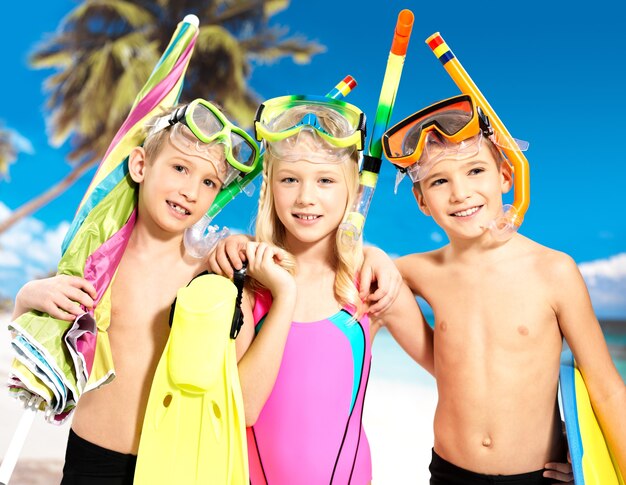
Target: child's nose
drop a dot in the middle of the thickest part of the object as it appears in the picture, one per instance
(305, 194)
(460, 191)
(189, 190)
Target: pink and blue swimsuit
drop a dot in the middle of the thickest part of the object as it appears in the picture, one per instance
(310, 430)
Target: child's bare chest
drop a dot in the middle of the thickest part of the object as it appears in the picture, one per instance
(490, 307)
(141, 298)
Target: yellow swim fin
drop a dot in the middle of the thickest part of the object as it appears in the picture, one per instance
(194, 428)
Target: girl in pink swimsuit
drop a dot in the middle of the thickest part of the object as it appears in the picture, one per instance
(304, 377)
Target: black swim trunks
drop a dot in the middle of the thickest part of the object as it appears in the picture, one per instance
(89, 464)
(443, 472)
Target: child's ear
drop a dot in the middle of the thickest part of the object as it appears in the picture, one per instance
(137, 164)
(506, 177)
(419, 198)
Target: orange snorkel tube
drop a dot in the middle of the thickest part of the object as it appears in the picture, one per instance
(514, 215)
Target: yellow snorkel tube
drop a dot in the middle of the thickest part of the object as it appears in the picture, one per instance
(505, 226)
(351, 229)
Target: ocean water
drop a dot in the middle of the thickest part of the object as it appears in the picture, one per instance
(615, 335)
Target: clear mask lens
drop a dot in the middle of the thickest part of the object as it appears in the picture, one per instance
(206, 121)
(183, 139)
(308, 145)
(437, 148)
(323, 119)
(241, 149)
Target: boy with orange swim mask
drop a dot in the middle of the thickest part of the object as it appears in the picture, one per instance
(502, 307)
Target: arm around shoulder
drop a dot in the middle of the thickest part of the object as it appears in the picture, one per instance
(409, 328)
(379, 279)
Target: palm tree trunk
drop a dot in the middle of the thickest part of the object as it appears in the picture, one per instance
(41, 200)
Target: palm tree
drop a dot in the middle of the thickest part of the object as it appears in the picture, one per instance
(105, 50)
(11, 145)
(8, 152)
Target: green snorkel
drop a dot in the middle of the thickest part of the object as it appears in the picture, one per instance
(351, 229)
(202, 237)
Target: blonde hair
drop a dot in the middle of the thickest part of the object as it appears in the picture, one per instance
(270, 229)
(154, 141)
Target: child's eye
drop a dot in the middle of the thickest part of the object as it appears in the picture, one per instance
(326, 181)
(476, 171)
(210, 183)
(437, 182)
(288, 180)
(179, 168)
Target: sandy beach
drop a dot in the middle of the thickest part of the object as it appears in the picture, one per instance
(398, 416)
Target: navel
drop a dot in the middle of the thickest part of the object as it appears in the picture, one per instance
(487, 442)
(523, 330)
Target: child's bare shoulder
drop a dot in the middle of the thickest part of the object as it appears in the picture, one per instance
(413, 266)
(549, 262)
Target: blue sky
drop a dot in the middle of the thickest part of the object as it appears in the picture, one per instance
(553, 75)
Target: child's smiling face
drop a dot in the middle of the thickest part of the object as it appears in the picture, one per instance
(176, 187)
(464, 196)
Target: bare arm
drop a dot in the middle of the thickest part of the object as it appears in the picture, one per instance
(409, 328)
(584, 336)
(379, 280)
(60, 296)
(228, 255)
(261, 355)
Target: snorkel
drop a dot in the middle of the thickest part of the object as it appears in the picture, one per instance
(505, 226)
(351, 228)
(343, 88)
(202, 236)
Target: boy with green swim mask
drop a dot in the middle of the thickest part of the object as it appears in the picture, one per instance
(189, 154)
(502, 308)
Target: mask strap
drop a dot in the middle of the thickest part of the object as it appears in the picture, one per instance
(239, 277)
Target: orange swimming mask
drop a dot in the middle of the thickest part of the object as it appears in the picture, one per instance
(457, 120)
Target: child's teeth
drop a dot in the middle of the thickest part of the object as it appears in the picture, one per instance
(466, 212)
(178, 209)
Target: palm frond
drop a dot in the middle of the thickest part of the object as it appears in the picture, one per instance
(268, 49)
(105, 49)
(11, 145)
(8, 153)
(107, 11)
(272, 7)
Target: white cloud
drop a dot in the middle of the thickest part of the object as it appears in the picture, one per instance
(235, 230)
(21, 143)
(606, 280)
(613, 268)
(4, 212)
(436, 237)
(27, 250)
(8, 259)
